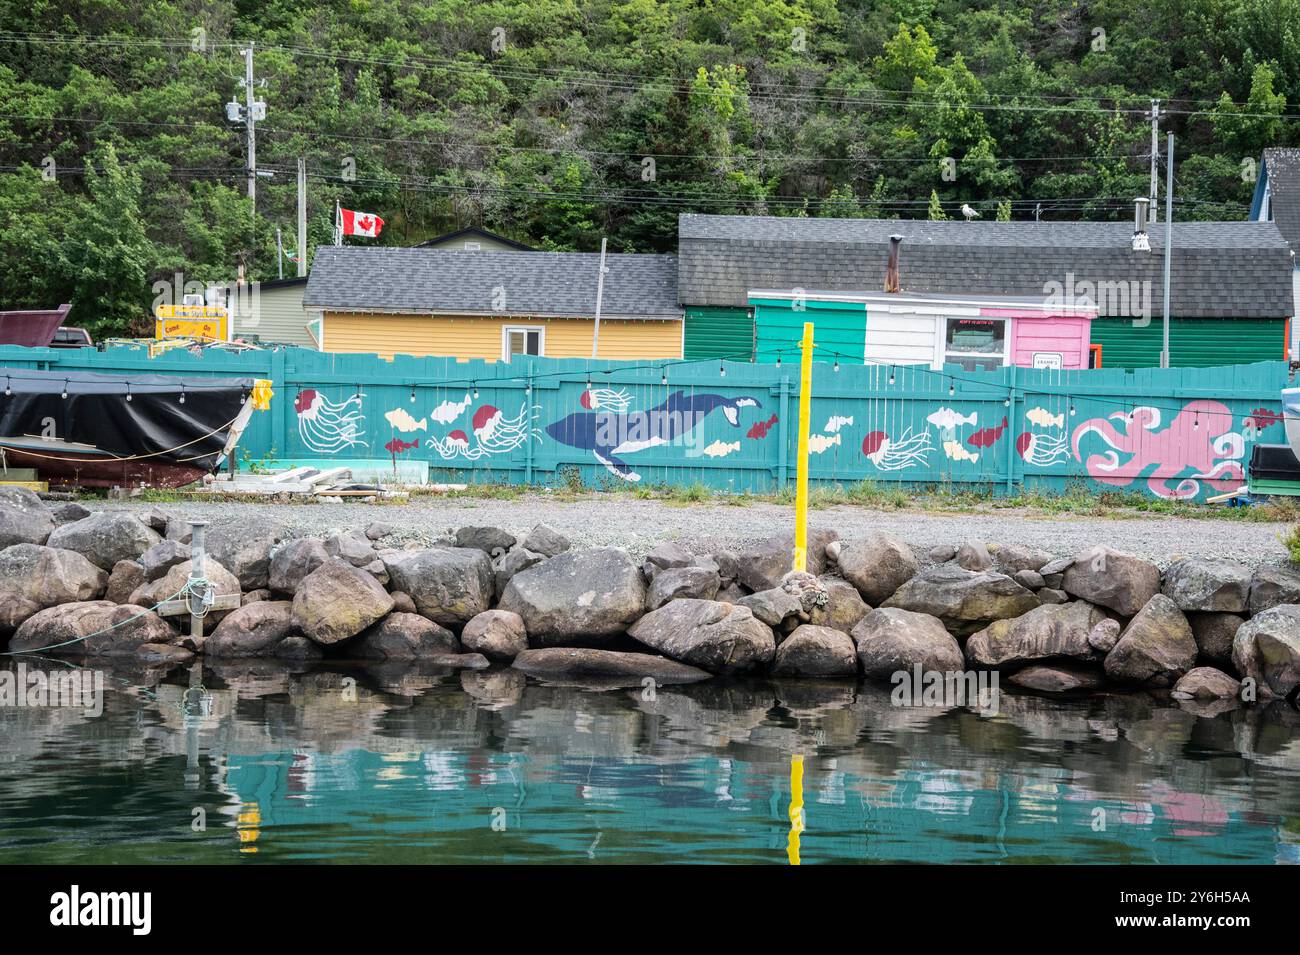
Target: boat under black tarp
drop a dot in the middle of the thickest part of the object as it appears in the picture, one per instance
(97, 430)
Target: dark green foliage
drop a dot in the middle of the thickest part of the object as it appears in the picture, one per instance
(559, 121)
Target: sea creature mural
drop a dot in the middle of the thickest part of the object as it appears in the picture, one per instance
(493, 433)
(326, 426)
(1198, 445)
(956, 452)
(759, 429)
(402, 420)
(448, 410)
(835, 422)
(1041, 449)
(890, 455)
(608, 434)
(948, 421)
(1044, 418)
(1261, 418)
(720, 449)
(398, 446)
(605, 399)
(987, 437)
(818, 443)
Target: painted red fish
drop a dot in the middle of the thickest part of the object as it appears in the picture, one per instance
(397, 446)
(986, 437)
(759, 429)
(1261, 418)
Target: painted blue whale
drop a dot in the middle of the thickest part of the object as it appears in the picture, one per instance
(608, 435)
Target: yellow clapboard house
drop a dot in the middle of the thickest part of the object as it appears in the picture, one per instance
(494, 304)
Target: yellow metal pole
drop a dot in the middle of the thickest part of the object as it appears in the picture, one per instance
(796, 808)
(805, 422)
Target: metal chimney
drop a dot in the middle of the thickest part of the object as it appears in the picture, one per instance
(1141, 242)
(892, 283)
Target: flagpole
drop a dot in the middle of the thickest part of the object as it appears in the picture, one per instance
(338, 223)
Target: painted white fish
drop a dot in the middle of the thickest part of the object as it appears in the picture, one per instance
(1044, 418)
(817, 443)
(835, 422)
(449, 410)
(946, 419)
(957, 451)
(720, 449)
(401, 419)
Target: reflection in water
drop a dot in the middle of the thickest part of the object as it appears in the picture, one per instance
(395, 763)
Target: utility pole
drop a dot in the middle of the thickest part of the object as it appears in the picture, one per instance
(1169, 239)
(302, 216)
(249, 113)
(1155, 154)
(600, 294)
(279, 253)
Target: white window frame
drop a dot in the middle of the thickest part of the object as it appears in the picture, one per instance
(944, 351)
(473, 247)
(505, 338)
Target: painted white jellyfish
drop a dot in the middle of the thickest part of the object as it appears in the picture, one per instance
(890, 455)
(1042, 450)
(493, 434)
(327, 427)
(605, 399)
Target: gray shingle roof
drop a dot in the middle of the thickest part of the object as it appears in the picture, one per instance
(1219, 269)
(544, 284)
(1284, 191)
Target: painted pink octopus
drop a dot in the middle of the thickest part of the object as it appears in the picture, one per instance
(1199, 438)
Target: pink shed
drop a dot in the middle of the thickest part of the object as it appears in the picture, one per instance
(1067, 334)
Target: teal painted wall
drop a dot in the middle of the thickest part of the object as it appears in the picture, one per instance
(1179, 432)
(840, 327)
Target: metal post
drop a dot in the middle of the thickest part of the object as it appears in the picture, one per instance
(251, 124)
(600, 294)
(279, 253)
(1155, 153)
(302, 217)
(1169, 241)
(198, 560)
(800, 561)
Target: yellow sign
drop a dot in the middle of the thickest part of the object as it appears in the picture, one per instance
(190, 321)
(209, 328)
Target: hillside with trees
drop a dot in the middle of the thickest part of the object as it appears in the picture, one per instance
(556, 122)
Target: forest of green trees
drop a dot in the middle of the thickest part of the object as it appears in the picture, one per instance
(557, 122)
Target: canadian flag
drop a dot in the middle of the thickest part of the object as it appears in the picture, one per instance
(360, 223)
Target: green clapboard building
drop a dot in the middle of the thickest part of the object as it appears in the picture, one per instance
(1230, 297)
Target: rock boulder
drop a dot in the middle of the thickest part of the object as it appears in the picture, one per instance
(579, 596)
(449, 585)
(1109, 578)
(718, 637)
(1267, 649)
(964, 600)
(337, 601)
(105, 537)
(1156, 648)
(890, 639)
(816, 651)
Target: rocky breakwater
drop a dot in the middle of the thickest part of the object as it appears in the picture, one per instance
(1212, 633)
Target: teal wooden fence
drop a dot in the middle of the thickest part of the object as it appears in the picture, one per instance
(1175, 433)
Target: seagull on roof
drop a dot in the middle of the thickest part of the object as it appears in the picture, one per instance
(968, 212)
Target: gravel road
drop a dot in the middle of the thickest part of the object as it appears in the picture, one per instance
(638, 525)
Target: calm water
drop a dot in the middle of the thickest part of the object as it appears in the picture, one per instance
(398, 765)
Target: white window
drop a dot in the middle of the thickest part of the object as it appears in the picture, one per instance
(522, 340)
(472, 246)
(975, 344)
